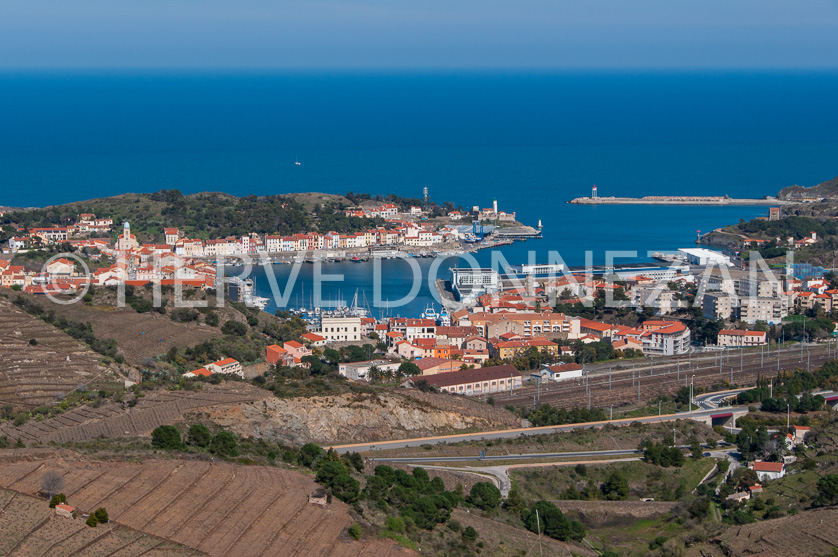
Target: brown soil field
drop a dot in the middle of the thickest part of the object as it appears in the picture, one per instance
(110, 420)
(805, 534)
(35, 375)
(213, 507)
(138, 335)
(31, 529)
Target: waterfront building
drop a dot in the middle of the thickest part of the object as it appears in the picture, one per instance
(703, 257)
(340, 328)
(469, 284)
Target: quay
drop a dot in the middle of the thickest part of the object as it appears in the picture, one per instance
(678, 200)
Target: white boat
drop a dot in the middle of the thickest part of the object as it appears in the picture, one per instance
(444, 319)
(430, 313)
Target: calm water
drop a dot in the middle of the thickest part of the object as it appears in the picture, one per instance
(531, 141)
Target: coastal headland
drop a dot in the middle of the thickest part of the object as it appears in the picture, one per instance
(678, 200)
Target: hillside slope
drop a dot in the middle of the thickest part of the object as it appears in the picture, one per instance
(217, 508)
(824, 189)
(41, 363)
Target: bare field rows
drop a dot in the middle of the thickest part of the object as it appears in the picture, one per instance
(31, 529)
(138, 335)
(807, 533)
(37, 374)
(213, 507)
(111, 420)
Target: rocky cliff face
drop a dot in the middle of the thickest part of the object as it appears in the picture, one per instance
(341, 419)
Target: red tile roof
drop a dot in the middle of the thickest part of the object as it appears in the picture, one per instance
(760, 466)
(226, 362)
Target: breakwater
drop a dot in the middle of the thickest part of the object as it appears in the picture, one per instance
(678, 200)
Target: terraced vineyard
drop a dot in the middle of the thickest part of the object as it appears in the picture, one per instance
(213, 507)
(31, 529)
(111, 420)
(37, 374)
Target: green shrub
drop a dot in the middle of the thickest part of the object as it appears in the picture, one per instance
(225, 444)
(199, 435)
(355, 531)
(469, 534)
(484, 495)
(166, 437)
(92, 521)
(101, 515)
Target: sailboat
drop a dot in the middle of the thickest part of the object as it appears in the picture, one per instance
(297, 160)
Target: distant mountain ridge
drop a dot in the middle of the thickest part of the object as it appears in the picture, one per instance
(824, 189)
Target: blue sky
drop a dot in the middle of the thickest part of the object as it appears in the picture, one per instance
(418, 34)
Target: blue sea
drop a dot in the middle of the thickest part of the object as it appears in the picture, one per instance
(531, 141)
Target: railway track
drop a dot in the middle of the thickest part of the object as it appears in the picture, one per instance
(632, 383)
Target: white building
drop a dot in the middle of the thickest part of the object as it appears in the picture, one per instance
(768, 470)
(469, 284)
(704, 257)
(340, 328)
(736, 337)
(361, 370)
(561, 372)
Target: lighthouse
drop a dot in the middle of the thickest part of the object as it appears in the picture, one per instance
(593, 192)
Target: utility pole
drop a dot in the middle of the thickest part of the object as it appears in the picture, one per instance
(659, 409)
(538, 528)
(612, 412)
(609, 378)
(673, 437)
(788, 415)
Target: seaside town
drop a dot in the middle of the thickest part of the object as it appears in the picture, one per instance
(492, 319)
(688, 346)
(449, 279)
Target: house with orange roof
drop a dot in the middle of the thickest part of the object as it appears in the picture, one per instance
(669, 340)
(227, 366)
(433, 366)
(768, 470)
(737, 337)
(276, 355)
(313, 339)
(200, 372)
(509, 349)
(296, 350)
(627, 343)
(64, 510)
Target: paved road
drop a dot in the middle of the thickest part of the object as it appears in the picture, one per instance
(512, 433)
(527, 456)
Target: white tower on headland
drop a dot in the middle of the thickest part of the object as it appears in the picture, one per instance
(495, 206)
(593, 192)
